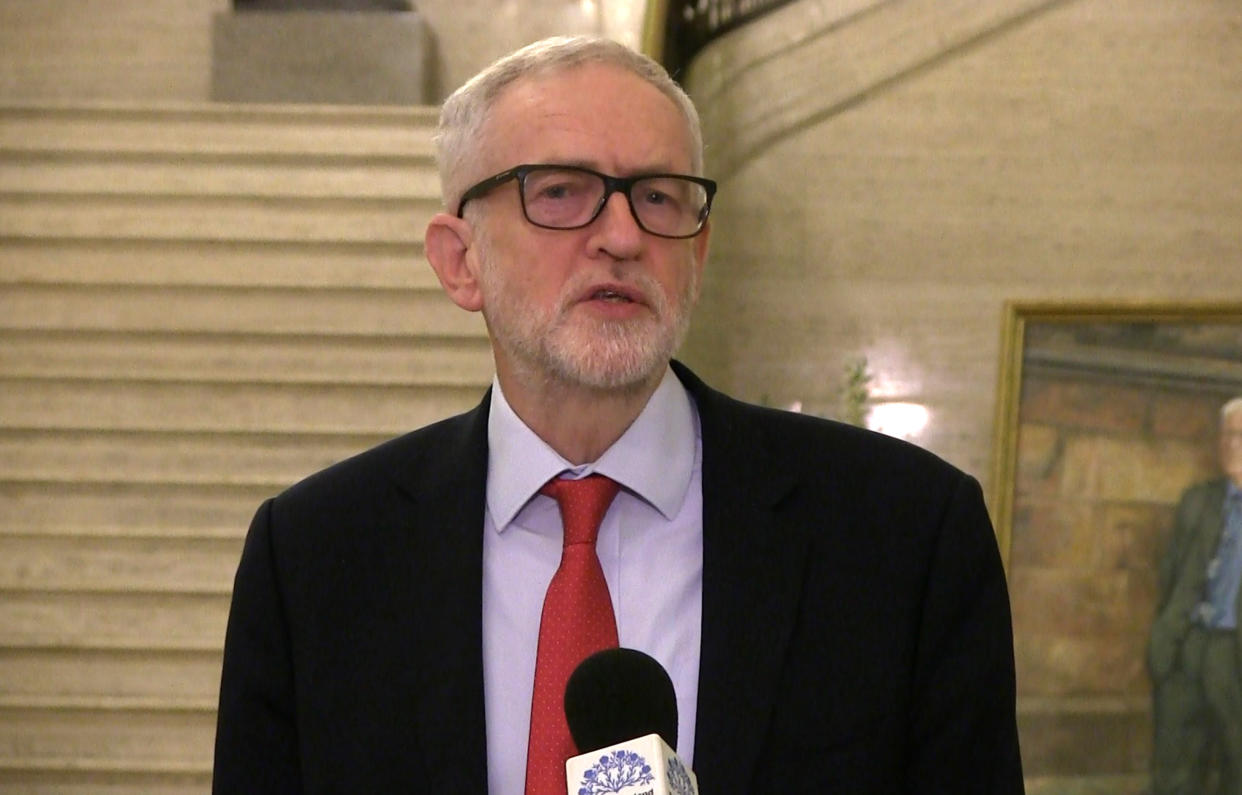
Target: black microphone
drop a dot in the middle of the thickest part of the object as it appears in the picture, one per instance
(619, 694)
(621, 701)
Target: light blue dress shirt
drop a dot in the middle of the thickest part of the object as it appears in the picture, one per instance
(650, 547)
(1220, 605)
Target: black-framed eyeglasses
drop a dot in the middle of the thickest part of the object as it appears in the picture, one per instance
(571, 197)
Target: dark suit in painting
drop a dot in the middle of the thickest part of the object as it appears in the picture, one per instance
(1195, 672)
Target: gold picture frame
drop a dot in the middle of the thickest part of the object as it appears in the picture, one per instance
(1107, 412)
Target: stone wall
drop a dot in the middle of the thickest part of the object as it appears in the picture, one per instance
(468, 36)
(113, 50)
(920, 163)
(160, 50)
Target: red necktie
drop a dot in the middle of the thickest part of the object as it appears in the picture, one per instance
(577, 621)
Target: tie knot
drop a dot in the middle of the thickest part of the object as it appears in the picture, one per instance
(583, 504)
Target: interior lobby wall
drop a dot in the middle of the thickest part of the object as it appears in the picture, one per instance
(468, 36)
(106, 50)
(160, 50)
(1081, 151)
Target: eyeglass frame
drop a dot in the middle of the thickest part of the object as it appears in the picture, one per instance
(622, 185)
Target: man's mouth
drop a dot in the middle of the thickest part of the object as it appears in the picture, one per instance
(610, 295)
(613, 292)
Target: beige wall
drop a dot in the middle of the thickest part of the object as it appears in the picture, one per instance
(160, 50)
(118, 50)
(943, 158)
(469, 35)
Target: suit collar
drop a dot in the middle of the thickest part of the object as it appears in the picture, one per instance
(456, 458)
(654, 457)
(1213, 518)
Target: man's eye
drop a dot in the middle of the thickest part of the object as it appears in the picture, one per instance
(661, 200)
(558, 191)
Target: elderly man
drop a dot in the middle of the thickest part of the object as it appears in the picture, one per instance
(1195, 643)
(829, 603)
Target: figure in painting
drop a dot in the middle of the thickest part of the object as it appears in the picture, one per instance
(1195, 653)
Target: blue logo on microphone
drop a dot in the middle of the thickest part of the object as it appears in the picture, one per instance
(614, 772)
(678, 778)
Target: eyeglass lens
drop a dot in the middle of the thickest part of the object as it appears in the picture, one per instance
(568, 198)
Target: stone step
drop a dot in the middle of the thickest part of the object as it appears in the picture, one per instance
(19, 526)
(230, 218)
(65, 777)
(134, 621)
(85, 456)
(123, 509)
(69, 563)
(311, 359)
(241, 309)
(219, 129)
(46, 404)
(323, 177)
(134, 739)
(198, 306)
(94, 675)
(214, 262)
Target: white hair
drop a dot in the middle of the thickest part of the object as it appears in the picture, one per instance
(1230, 408)
(458, 136)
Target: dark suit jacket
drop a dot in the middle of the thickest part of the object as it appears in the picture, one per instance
(856, 631)
(1197, 528)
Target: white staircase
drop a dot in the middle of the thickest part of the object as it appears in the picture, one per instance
(198, 306)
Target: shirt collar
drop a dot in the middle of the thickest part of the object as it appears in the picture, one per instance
(654, 458)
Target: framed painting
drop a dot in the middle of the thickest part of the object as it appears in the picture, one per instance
(1110, 418)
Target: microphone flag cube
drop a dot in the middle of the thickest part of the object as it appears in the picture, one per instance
(643, 766)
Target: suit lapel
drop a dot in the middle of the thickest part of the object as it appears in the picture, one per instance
(1206, 541)
(446, 482)
(752, 578)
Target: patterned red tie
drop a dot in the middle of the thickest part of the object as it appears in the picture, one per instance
(577, 621)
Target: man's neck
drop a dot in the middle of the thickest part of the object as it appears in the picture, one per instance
(576, 421)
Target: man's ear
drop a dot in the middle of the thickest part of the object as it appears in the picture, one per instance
(447, 246)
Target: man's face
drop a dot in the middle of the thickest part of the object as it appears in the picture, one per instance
(607, 305)
(1231, 446)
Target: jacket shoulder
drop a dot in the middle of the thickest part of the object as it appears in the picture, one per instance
(454, 443)
(805, 439)
(817, 447)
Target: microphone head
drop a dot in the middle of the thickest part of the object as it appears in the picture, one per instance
(617, 695)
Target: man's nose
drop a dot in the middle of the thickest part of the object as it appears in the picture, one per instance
(617, 230)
